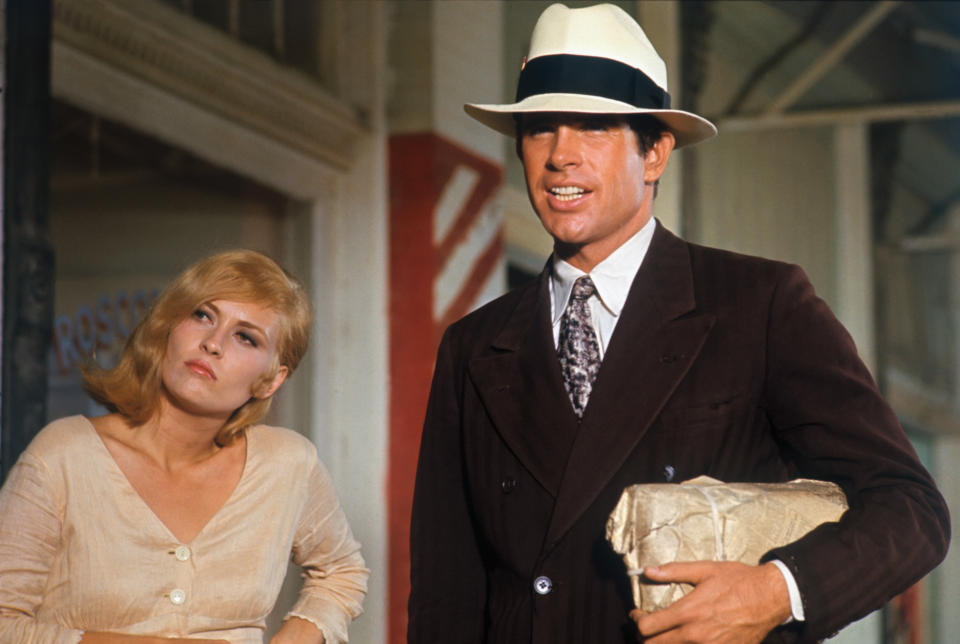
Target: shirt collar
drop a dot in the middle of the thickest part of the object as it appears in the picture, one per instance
(612, 277)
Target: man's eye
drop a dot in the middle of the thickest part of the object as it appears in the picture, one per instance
(596, 125)
(534, 129)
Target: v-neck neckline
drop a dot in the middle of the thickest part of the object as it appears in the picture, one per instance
(132, 489)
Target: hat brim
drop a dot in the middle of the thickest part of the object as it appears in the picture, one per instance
(687, 128)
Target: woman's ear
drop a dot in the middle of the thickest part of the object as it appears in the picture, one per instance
(270, 386)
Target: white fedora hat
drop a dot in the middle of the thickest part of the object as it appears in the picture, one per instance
(594, 60)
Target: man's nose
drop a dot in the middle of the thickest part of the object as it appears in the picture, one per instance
(565, 151)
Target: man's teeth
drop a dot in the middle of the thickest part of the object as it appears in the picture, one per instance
(567, 193)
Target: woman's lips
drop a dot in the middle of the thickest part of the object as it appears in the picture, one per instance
(201, 368)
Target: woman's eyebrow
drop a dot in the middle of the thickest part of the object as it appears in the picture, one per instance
(250, 325)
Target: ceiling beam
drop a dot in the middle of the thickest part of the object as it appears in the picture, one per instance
(937, 39)
(949, 242)
(835, 116)
(833, 55)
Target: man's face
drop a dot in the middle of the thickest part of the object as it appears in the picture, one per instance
(586, 180)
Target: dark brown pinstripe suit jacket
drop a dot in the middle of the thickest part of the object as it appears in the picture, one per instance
(721, 364)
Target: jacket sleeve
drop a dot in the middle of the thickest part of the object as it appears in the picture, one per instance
(833, 424)
(448, 581)
(334, 574)
(30, 518)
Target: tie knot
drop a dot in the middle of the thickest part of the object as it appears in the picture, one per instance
(583, 288)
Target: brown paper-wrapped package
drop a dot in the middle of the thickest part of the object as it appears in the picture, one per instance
(704, 519)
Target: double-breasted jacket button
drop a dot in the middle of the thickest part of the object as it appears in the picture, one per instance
(543, 585)
(508, 485)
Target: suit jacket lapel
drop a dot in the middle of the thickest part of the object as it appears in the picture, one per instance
(653, 345)
(521, 386)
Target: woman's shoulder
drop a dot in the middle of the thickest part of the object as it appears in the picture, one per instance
(64, 446)
(63, 436)
(282, 443)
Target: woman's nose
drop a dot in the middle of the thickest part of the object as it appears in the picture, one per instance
(211, 344)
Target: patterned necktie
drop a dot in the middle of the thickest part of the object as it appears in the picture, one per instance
(577, 348)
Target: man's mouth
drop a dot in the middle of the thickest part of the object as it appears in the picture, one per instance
(567, 193)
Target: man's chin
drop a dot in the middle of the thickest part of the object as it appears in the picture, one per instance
(566, 249)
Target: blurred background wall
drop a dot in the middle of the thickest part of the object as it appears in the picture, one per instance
(330, 135)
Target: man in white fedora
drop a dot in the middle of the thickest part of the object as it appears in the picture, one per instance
(636, 357)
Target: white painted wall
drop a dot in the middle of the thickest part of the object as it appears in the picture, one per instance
(342, 242)
(946, 586)
(946, 455)
(467, 48)
(350, 420)
(771, 194)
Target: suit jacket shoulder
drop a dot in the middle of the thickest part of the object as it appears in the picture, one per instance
(480, 328)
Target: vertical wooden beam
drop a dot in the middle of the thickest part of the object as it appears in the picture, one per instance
(27, 254)
(661, 23)
(946, 578)
(696, 23)
(279, 30)
(855, 280)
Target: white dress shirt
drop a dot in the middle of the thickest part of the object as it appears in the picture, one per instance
(612, 278)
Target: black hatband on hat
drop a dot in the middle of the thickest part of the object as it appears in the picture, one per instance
(591, 75)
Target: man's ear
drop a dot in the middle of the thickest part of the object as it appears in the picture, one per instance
(655, 160)
(271, 386)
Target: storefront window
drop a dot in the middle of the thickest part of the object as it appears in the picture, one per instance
(289, 31)
(127, 213)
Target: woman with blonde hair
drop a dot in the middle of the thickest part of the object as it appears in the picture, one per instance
(172, 518)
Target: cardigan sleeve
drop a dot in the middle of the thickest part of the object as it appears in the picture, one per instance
(833, 424)
(334, 574)
(30, 522)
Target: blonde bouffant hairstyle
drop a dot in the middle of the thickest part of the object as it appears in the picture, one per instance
(133, 387)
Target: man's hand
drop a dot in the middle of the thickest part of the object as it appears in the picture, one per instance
(732, 603)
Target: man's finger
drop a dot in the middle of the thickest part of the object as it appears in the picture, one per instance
(657, 623)
(691, 572)
(660, 621)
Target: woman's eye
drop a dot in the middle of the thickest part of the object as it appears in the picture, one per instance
(200, 314)
(247, 339)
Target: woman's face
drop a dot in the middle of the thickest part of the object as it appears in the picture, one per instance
(217, 357)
